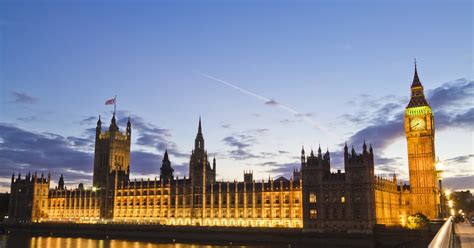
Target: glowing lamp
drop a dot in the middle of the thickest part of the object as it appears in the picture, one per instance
(447, 192)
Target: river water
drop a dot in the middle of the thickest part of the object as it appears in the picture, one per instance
(26, 241)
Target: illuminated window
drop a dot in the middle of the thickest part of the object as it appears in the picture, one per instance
(313, 214)
(312, 197)
(343, 199)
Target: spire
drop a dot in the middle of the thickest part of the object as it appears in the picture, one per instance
(302, 150)
(199, 127)
(165, 157)
(417, 96)
(61, 182)
(364, 146)
(319, 149)
(113, 124)
(129, 128)
(166, 171)
(199, 141)
(99, 122)
(416, 80)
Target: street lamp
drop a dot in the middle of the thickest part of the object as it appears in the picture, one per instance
(439, 171)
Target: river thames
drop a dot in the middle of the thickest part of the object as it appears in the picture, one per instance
(20, 241)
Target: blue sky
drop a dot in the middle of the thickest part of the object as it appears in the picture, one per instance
(345, 66)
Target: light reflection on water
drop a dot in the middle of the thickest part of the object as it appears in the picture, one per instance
(20, 241)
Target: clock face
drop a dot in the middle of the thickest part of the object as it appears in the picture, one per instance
(417, 124)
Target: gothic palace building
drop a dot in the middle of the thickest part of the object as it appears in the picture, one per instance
(314, 198)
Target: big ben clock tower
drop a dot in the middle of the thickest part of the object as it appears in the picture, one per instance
(420, 133)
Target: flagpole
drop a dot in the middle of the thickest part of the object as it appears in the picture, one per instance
(115, 103)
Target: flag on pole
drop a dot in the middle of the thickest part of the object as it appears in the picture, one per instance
(110, 101)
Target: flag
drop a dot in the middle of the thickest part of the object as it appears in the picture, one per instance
(110, 101)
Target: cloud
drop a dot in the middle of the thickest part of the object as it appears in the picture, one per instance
(460, 159)
(272, 103)
(241, 142)
(239, 154)
(226, 125)
(149, 135)
(284, 169)
(385, 124)
(459, 182)
(456, 166)
(27, 118)
(23, 98)
(22, 151)
(88, 120)
(287, 121)
(304, 114)
(452, 94)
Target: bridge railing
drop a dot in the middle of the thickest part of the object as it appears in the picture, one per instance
(444, 238)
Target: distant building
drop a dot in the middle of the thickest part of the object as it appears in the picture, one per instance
(314, 198)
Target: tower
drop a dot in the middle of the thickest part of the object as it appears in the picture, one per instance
(61, 182)
(111, 163)
(166, 172)
(420, 134)
(201, 175)
(112, 153)
(200, 170)
(29, 198)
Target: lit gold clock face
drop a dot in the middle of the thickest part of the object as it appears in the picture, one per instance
(417, 124)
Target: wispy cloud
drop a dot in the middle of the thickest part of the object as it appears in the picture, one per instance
(385, 124)
(272, 102)
(23, 98)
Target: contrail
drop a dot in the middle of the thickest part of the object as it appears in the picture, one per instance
(266, 100)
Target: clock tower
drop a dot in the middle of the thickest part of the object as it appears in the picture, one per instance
(420, 133)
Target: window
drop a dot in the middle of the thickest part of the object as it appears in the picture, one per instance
(312, 197)
(313, 214)
(343, 199)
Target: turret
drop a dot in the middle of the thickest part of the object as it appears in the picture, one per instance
(113, 124)
(214, 164)
(129, 128)
(61, 182)
(166, 171)
(248, 176)
(98, 128)
(199, 141)
(303, 156)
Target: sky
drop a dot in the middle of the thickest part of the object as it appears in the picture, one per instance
(266, 77)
